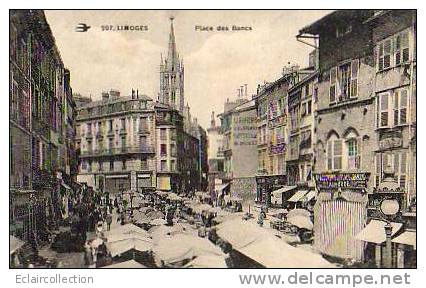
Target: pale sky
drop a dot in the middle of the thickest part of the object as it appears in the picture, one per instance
(216, 63)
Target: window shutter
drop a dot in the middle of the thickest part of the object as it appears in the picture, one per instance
(380, 56)
(354, 78)
(403, 101)
(384, 110)
(337, 151)
(378, 168)
(387, 53)
(396, 108)
(405, 47)
(398, 50)
(333, 86)
(329, 155)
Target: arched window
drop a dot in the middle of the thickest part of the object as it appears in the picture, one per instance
(334, 152)
(353, 147)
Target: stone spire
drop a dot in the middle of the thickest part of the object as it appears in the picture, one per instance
(172, 54)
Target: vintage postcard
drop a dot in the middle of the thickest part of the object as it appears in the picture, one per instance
(212, 139)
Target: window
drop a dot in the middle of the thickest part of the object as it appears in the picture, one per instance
(400, 107)
(110, 126)
(163, 164)
(163, 150)
(344, 81)
(397, 115)
(402, 50)
(354, 78)
(353, 154)
(110, 143)
(163, 134)
(172, 165)
(144, 164)
(383, 119)
(111, 165)
(89, 145)
(123, 142)
(101, 166)
(123, 166)
(89, 128)
(384, 60)
(394, 162)
(343, 30)
(333, 84)
(393, 51)
(123, 123)
(143, 125)
(89, 166)
(142, 141)
(334, 154)
(173, 150)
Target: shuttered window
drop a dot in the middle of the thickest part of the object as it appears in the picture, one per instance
(333, 84)
(384, 110)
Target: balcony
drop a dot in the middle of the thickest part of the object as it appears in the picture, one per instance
(118, 151)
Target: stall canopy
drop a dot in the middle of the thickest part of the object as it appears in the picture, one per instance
(126, 264)
(309, 196)
(207, 261)
(272, 252)
(298, 196)
(122, 246)
(183, 246)
(407, 237)
(277, 193)
(15, 244)
(374, 232)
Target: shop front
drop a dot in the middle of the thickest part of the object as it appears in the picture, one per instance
(340, 214)
(265, 185)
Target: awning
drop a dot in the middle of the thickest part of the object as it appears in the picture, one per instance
(298, 196)
(278, 192)
(125, 265)
(117, 176)
(220, 187)
(308, 197)
(374, 232)
(407, 237)
(65, 186)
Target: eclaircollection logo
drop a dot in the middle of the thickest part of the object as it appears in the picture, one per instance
(81, 27)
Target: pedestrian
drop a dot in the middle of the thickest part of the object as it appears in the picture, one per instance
(109, 220)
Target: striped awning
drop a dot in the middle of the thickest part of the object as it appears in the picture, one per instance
(298, 196)
(309, 196)
(374, 232)
(278, 192)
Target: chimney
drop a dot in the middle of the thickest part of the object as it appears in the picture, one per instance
(137, 93)
(242, 91)
(258, 88)
(245, 85)
(212, 121)
(105, 96)
(133, 94)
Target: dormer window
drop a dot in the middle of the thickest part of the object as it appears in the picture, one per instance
(343, 30)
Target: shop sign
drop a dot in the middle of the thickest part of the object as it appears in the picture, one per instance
(390, 141)
(277, 149)
(341, 180)
(280, 120)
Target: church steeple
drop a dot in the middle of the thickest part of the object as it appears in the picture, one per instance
(172, 54)
(172, 75)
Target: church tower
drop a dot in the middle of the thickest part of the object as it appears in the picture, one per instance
(172, 76)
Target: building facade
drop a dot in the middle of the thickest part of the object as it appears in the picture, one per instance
(116, 139)
(365, 127)
(42, 111)
(238, 124)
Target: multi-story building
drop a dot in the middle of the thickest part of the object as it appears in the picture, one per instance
(41, 124)
(345, 131)
(116, 137)
(238, 126)
(169, 147)
(272, 144)
(215, 156)
(365, 134)
(394, 44)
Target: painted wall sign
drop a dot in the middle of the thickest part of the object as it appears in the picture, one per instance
(341, 180)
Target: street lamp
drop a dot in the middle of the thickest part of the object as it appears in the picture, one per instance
(389, 208)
